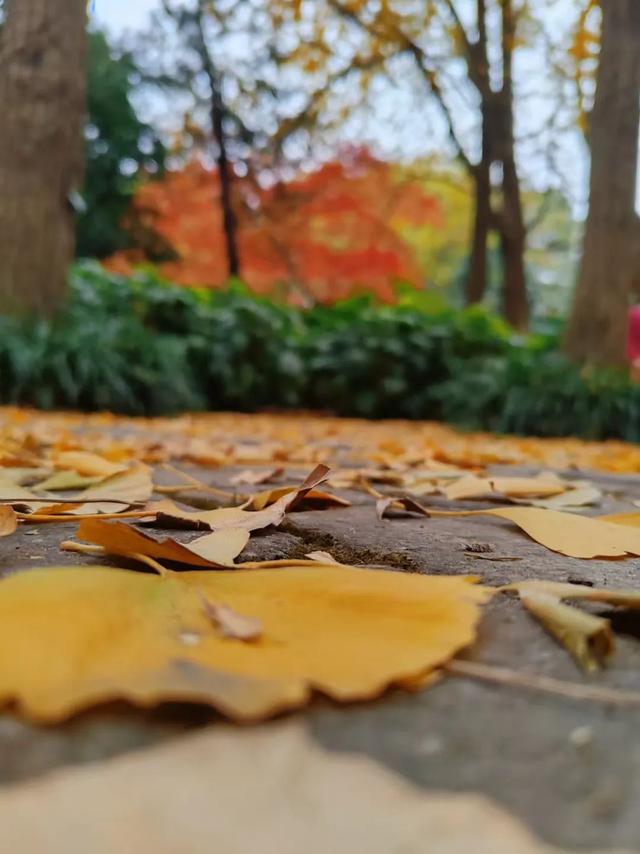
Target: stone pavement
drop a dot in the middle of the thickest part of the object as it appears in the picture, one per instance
(570, 770)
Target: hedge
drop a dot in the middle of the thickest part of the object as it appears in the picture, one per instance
(142, 346)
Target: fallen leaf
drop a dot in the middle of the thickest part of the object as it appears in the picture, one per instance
(540, 486)
(588, 638)
(472, 486)
(61, 481)
(8, 521)
(87, 464)
(581, 592)
(19, 496)
(566, 533)
(217, 549)
(230, 623)
(324, 558)
(169, 514)
(132, 486)
(575, 498)
(117, 634)
(312, 499)
(630, 519)
(256, 478)
(272, 789)
(404, 502)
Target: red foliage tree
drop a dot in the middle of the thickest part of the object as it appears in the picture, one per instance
(321, 236)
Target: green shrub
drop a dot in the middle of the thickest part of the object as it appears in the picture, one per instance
(142, 346)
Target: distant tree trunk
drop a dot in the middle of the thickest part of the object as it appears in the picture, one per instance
(42, 93)
(512, 246)
(224, 171)
(478, 65)
(511, 219)
(497, 147)
(217, 112)
(482, 218)
(596, 331)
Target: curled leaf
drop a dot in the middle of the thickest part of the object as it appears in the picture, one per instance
(214, 550)
(588, 638)
(169, 514)
(582, 592)
(231, 624)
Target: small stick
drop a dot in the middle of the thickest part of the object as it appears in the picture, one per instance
(82, 548)
(67, 500)
(545, 684)
(36, 518)
(98, 551)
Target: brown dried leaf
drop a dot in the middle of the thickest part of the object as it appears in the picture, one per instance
(230, 623)
(256, 478)
(588, 638)
(8, 521)
(132, 486)
(169, 514)
(218, 549)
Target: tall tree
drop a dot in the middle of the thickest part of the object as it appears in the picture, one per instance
(42, 92)
(193, 53)
(611, 255)
(439, 40)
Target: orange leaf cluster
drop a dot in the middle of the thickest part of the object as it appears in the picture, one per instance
(322, 236)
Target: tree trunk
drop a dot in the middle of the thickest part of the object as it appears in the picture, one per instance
(596, 332)
(228, 216)
(511, 220)
(512, 246)
(477, 276)
(478, 63)
(42, 92)
(217, 112)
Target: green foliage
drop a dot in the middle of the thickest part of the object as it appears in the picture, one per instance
(119, 147)
(142, 346)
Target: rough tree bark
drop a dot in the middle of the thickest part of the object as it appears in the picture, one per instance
(511, 221)
(217, 112)
(596, 331)
(497, 147)
(42, 92)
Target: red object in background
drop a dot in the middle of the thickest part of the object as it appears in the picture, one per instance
(633, 335)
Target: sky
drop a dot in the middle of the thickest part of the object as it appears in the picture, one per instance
(120, 16)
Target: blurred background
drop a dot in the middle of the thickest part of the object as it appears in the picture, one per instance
(374, 207)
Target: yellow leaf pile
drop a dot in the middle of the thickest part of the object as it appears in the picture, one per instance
(72, 638)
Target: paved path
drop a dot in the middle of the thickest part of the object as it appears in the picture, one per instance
(570, 770)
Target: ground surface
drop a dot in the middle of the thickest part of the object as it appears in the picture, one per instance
(569, 769)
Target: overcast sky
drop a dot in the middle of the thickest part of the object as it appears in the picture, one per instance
(120, 15)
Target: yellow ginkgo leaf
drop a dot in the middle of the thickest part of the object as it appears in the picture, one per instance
(87, 464)
(216, 549)
(168, 514)
(117, 492)
(566, 533)
(571, 535)
(74, 637)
